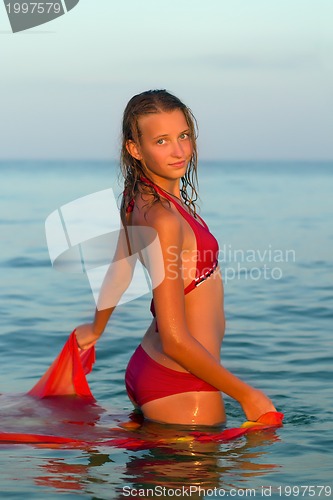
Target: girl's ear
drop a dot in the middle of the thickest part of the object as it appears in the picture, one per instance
(133, 150)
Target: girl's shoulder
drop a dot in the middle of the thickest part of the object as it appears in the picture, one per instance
(148, 210)
(160, 219)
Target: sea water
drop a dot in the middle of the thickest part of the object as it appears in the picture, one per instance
(273, 221)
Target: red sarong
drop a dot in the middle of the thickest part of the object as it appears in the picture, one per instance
(67, 374)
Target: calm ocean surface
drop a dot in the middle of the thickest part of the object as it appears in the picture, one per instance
(274, 225)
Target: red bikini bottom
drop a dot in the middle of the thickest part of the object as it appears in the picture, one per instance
(147, 380)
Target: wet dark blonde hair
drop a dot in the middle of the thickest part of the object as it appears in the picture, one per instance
(152, 102)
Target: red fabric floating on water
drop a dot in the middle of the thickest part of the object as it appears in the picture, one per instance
(67, 374)
(270, 420)
(14, 437)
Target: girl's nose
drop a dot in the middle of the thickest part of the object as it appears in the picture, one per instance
(177, 149)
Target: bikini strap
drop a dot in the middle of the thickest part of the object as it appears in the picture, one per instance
(130, 206)
(170, 198)
(205, 225)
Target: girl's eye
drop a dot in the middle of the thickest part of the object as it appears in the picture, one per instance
(184, 136)
(160, 141)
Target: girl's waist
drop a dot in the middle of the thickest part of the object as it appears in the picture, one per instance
(153, 346)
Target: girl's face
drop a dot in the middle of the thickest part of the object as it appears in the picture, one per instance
(165, 144)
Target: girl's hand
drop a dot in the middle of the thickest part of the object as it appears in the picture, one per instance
(256, 404)
(86, 336)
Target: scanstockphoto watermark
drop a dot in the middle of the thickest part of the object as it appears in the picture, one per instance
(254, 264)
(24, 15)
(281, 491)
(186, 491)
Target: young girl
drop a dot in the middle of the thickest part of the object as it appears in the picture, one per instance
(175, 375)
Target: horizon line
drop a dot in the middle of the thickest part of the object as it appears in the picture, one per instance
(206, 160)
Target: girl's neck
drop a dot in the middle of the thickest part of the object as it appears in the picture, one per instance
(172, 188)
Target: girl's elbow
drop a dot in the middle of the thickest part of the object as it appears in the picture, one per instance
(173, 347)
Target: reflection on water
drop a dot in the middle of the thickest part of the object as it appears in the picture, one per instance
(169, 457)
(202, 464)
(170, 466)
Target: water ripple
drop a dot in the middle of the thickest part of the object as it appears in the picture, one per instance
(23, 262)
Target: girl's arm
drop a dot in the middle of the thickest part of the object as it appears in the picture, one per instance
(115, 283)
(177, 341)
(88, 333)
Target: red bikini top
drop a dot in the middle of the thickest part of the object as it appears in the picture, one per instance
(207, 245)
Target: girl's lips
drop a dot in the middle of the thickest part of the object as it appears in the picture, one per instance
(178, 164)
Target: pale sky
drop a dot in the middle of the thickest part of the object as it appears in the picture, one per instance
(258, 75)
